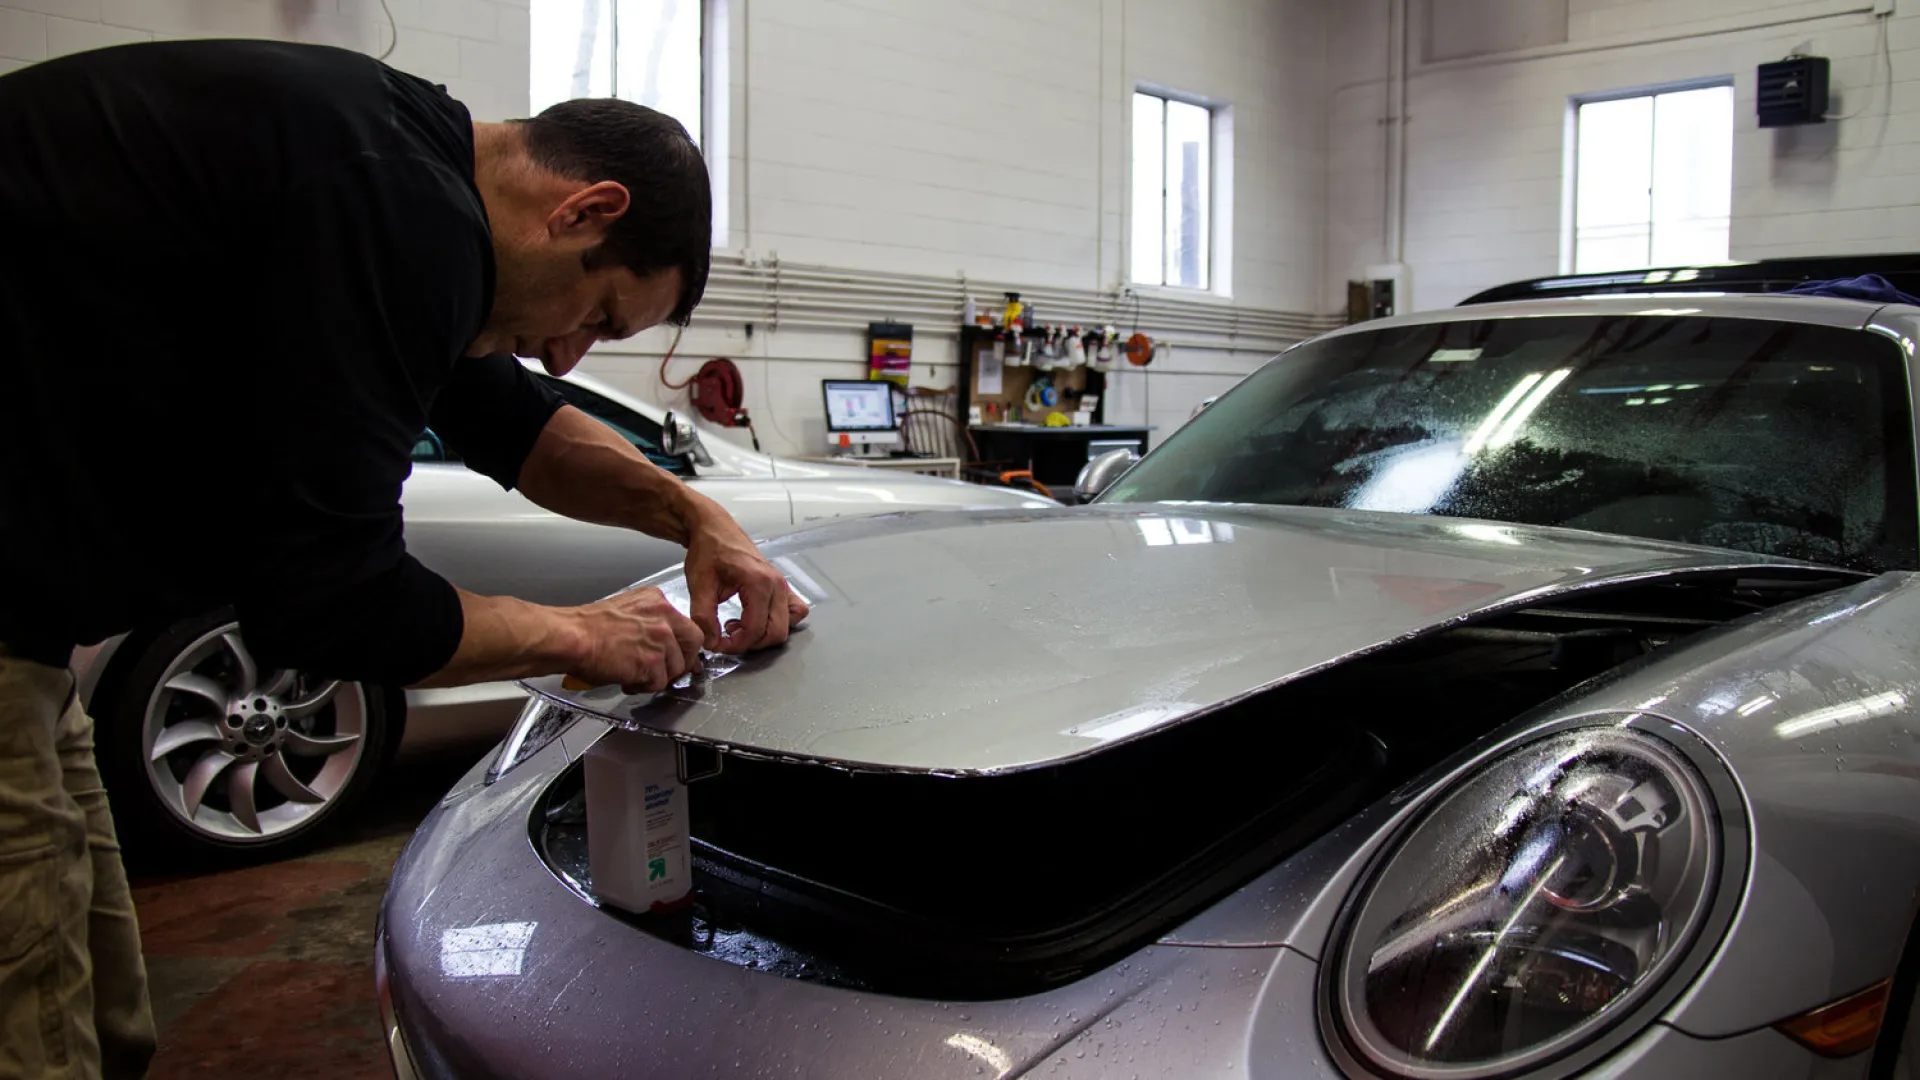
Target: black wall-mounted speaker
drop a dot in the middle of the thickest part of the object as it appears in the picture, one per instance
(1793, 91)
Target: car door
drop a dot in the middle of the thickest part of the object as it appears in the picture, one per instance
(488, 540)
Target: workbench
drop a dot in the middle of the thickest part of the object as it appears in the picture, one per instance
(1055, 454)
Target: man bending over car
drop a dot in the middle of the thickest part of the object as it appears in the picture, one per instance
(237, 282)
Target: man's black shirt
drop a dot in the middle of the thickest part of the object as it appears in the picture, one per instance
(237, 280)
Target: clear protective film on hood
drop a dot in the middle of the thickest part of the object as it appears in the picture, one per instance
(1061, 633)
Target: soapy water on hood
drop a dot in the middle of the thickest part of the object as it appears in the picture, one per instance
(607, 699)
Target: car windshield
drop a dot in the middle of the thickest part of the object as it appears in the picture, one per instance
(1778, 438)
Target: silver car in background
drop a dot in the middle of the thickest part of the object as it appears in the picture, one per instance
(206, 752)
(1521, 691)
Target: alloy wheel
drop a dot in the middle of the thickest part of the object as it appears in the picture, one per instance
(243, 754)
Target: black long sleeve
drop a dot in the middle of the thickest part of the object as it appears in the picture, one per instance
(490, 413)
(237, 277)
(330, 586)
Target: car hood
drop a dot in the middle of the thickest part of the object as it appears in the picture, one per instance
(1058, 633)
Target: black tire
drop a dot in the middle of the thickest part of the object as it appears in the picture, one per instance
(151, 823)
(1900, 1002)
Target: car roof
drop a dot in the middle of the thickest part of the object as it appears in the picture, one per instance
(1901, 269)
(1774, 307)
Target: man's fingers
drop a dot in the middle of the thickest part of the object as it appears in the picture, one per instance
(703, 603)
(652, 678)
(797, 609)
(754, 606)
(779, 616)
(673, 659)
(692, 638)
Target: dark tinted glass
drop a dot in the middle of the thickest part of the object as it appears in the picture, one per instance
(642, 432)
(1778, 438)
(429, 449)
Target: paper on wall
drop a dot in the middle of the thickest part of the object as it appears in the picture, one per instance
(992, 373)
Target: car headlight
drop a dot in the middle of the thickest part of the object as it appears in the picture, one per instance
(541, 722)
(1536, 905)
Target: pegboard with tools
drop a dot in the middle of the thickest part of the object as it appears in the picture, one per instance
(1045, 375)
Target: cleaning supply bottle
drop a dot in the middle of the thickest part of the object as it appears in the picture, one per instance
(638, 849)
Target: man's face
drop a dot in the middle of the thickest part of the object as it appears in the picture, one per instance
(560, 319)
(547, 305)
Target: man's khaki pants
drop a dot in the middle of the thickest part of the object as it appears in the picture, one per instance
(73, 989)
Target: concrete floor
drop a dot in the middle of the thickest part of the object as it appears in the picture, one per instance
(267, 971)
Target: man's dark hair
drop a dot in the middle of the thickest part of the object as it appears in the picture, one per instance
(669, 221)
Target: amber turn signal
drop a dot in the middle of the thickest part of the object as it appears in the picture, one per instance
(1842, 1028)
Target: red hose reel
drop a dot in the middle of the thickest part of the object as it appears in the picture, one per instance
(717, 390)
(719, 393)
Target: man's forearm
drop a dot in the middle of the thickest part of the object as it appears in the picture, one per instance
(504, 638)
(581, 468)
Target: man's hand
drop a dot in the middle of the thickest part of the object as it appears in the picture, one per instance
(637, 639)
(580, 468)
(722, 563)
(634, 639)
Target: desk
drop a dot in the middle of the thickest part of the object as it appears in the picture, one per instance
(1055, 454)
(948, 467)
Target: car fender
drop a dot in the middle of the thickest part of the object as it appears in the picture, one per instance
(1816, 707)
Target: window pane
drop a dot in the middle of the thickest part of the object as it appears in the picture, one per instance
(659, 57)
(1613, 193)
(1692, 176)
(572, 46)
(1188, 186)
(1149, 178)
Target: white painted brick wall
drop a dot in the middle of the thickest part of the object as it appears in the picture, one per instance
(1486, 140)
(476, 47)
(901, 135)
(987, 138)
(23, 35)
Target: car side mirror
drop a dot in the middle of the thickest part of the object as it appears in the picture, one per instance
(1099, 474)
(678, 436)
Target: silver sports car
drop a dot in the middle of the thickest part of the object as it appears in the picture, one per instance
(1513, 691)
(185, 781)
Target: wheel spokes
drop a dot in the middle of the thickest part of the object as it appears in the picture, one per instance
(304, 745)
(201, 687)
(249, 671)
(183, 734)
(201, 777)
(245, 720)
(240, 795)
(287, 784)
(312, 703)
(281, 682)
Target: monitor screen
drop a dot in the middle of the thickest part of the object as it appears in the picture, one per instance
(859, 406)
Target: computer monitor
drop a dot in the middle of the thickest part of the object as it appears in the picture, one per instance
(860, 410)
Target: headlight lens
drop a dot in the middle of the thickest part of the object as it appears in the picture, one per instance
(1531, 908)
(541, 722)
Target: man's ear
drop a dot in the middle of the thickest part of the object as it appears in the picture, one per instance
(589, 212)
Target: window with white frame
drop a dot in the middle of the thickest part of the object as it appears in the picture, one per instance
(1173, 186)
(1654, 180)
(668, 55)
(640, 50)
